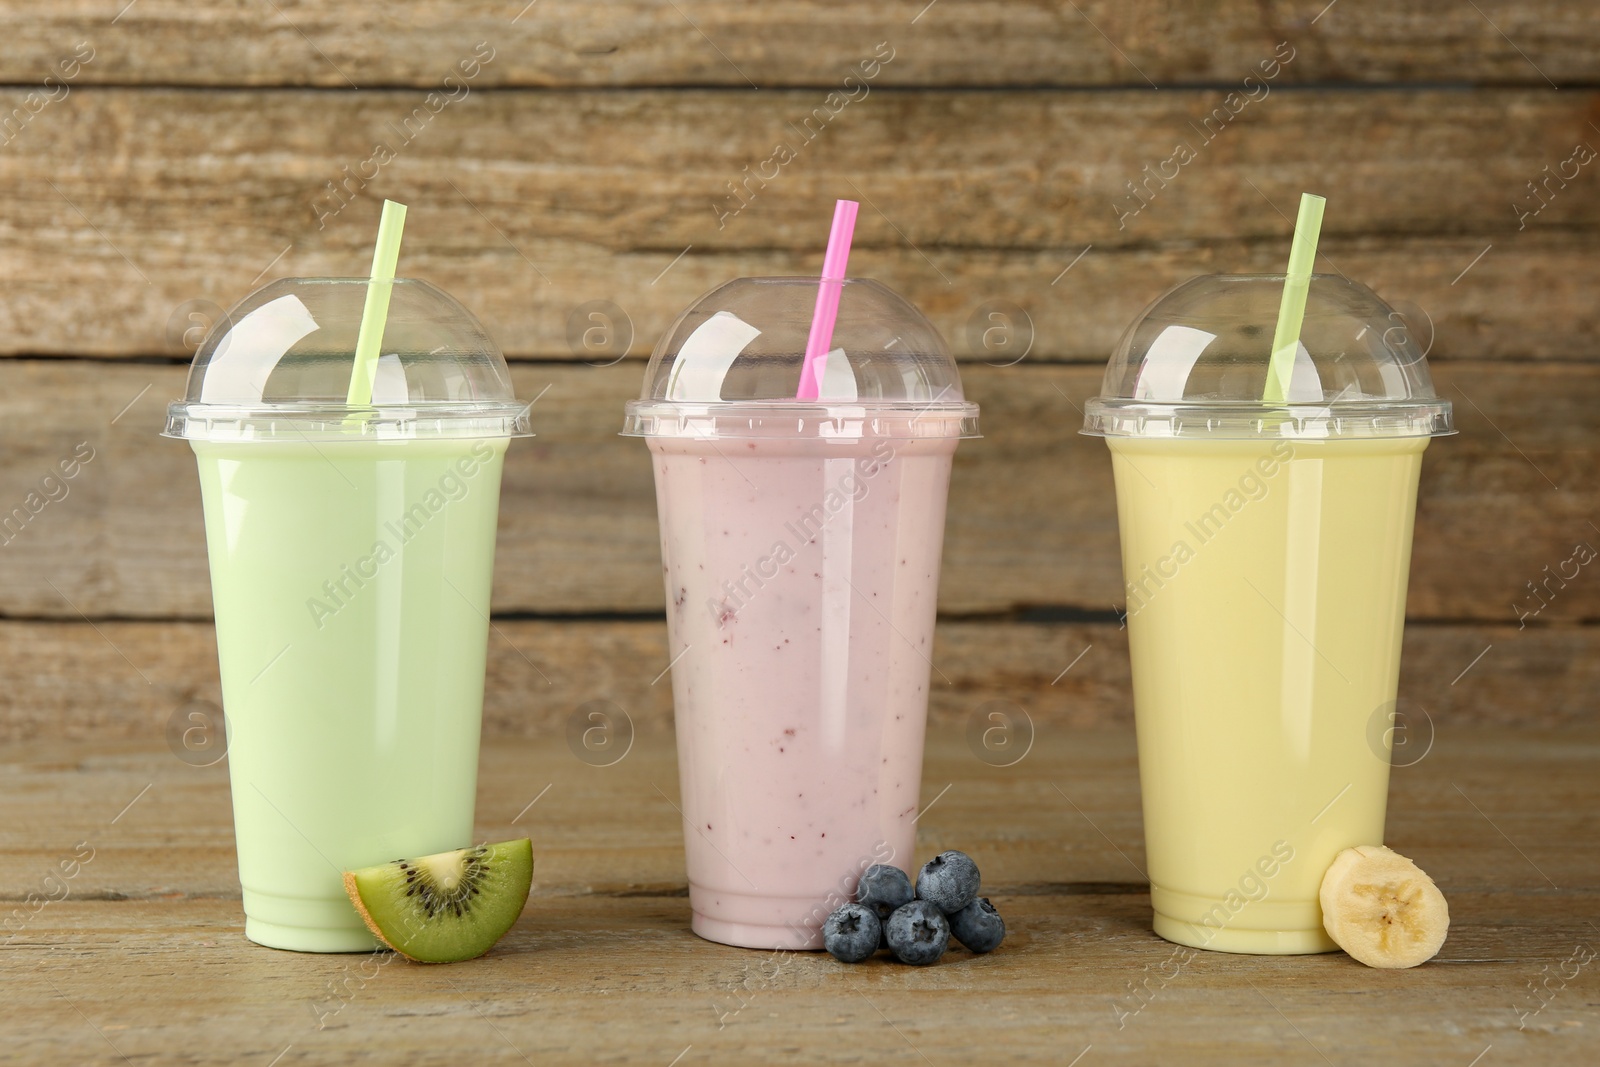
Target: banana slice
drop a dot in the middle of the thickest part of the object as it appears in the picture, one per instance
(1381, 909)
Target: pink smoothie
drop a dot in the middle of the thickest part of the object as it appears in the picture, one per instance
(802, 578)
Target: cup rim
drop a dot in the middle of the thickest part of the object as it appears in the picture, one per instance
(801, 419)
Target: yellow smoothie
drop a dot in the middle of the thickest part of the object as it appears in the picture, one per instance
(1266, 584)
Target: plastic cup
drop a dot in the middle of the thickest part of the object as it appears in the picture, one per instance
(1265, 550)
(351, 549)
(800, 545)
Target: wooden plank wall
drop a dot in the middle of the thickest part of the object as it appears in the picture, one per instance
(161, 161)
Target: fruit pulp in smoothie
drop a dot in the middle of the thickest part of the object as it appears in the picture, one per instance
(802, 579)
(351, 587)
(1266, 585)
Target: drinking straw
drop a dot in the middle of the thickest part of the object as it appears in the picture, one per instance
(829, 289)
(1292, 308)
(375, 313)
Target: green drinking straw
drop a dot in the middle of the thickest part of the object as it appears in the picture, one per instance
(1292, 308)
(376, 311)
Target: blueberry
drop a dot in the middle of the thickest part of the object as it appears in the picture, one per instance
(978, 926)
(884, 888)
(918, 933)
(949, 880)
(851, 933)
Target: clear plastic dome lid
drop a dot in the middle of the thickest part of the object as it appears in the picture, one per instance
(278, 366)
(1194, 364)
(735, 357)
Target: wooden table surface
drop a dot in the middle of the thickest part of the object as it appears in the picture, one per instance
(142, 956)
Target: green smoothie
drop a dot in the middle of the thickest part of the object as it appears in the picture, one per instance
(351, 585)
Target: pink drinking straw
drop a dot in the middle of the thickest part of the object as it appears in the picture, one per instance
(828, 292)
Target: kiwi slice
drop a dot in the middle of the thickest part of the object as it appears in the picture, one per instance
(447, 907)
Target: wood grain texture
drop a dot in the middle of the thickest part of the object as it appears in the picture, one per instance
(143, 680)
(736, 44)
(1032, 521)
(608, 830)
(145, 955)
(150, 205)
